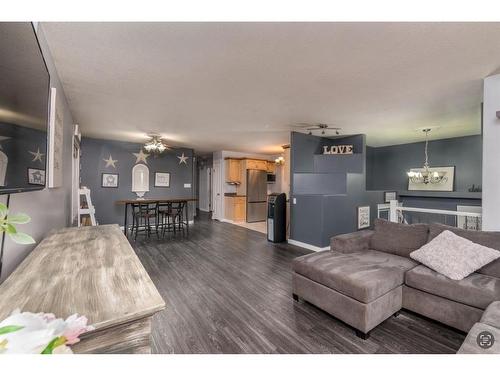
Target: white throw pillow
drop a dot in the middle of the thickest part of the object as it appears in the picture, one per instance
(454, 256)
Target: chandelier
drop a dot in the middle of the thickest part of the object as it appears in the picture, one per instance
(155, 145)
(426, 176)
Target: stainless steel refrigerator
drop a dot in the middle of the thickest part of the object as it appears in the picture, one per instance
(256, 195)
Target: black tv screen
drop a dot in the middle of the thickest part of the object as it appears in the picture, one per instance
(24, 109)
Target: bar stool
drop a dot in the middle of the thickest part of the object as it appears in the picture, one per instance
(165, 220)
(144, 217)
(178, 216)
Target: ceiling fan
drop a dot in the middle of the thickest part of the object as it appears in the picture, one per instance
(321, 127)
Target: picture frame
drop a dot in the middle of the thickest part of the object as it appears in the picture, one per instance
(363, 217)
(446, 186)
(109, 180)
(36, 176)
(390, 196)
(162, 179)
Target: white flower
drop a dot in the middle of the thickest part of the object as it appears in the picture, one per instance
(36, 334)
(33, 332)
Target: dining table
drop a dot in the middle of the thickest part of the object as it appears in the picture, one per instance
(129, 202)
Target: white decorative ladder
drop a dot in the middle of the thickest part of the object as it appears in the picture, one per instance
(85, 210)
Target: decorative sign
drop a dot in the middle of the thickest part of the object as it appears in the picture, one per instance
(363, 217)
(56, 128)
(338, 149)
(109, 180)
(162, 179)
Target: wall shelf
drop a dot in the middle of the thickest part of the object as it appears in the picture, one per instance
(441, 194)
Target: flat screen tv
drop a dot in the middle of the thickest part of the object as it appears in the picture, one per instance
(24, 109)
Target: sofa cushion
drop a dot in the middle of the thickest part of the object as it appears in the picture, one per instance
(454, 256)
(488, 239)
(475, 290)
(398, 239)
(351, 242)
(491, 315)
(364, 275)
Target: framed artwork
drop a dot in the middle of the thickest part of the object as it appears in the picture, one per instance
(390, 196)
(363, 217)
(162, 179)
(36, 176)
(443, 186)
(109, 180)
(55, 149)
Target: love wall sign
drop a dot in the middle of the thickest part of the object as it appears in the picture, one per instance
(339, 149)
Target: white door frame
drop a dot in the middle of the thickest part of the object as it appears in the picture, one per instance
(217, 191)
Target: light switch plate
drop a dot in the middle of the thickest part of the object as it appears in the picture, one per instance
(294, 200)
(187, 186)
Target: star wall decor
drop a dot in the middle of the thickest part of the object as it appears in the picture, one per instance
(37, 155)
(183, 159)
(141, 156)
(110, 162)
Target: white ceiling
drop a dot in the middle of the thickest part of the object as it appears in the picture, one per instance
(239, 86)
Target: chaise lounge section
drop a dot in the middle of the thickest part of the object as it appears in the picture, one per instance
(368, 276)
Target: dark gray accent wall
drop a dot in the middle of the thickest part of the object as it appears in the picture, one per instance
(387, 166)
(326, 202)
(93, 165)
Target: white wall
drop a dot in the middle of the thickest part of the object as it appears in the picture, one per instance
(49, 208)
(491, 154)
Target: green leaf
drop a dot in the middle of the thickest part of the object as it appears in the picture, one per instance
(9, 228)
(9, 329)
(18, 219)
(48, 349)
(58, 341)
(21, 238)
(3, 210)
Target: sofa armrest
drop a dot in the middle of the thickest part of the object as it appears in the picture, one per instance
(351, 242)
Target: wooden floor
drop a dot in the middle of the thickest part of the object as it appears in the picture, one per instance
(229, 291)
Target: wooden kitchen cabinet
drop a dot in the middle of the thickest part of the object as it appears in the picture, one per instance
(233, 174)
(257, 164)
(271, 167)
(235, 208)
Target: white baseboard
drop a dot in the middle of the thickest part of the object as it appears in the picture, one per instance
(204, 209)
(307, 246)
(226, 221)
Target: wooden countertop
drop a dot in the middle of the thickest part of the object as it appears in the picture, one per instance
(92, 271)
(154, 200)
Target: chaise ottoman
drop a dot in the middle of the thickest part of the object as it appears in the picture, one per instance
(361, 288)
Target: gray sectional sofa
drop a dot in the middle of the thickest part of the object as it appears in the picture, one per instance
(368, 276)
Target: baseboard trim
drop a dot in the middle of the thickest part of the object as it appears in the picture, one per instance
(204, 210)
(307, 246)
(226, 221)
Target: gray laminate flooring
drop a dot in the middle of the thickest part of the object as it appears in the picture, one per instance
(228, 290)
